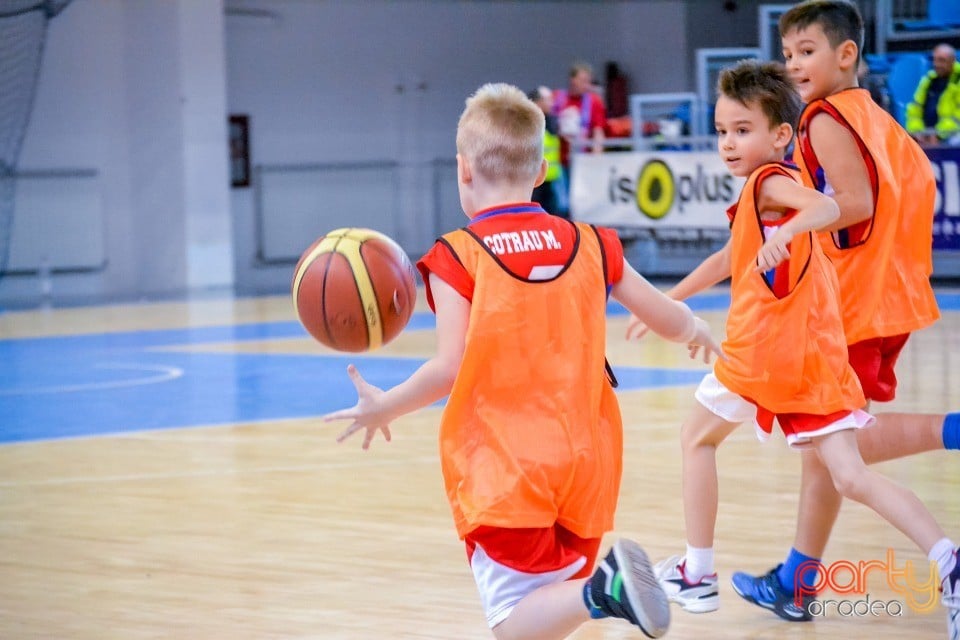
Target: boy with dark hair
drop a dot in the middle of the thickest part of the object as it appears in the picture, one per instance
(785, 347)
(849, 148)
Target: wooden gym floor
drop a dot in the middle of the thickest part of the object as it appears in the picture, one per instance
(163, 474)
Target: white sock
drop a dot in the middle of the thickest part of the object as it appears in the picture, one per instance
(943, 554)
(699, 563)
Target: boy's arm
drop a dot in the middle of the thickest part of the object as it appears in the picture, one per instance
(375, 408)
(667, 318)
(814, 211)
(713, 270)
(846, 172)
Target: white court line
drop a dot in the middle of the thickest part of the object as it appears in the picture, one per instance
(165, 374)
(328, 431)
(136, 477)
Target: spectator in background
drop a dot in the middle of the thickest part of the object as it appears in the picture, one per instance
(619, 122)
(581, 113)
(618, 92)
(547, 194)
(581, 117)
(934, 114)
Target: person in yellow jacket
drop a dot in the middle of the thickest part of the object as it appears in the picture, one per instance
(933, 116)
(551, 192)
(531, 435)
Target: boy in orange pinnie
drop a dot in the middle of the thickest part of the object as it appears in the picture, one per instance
(531, 435)
(786, 347)
(849, 148)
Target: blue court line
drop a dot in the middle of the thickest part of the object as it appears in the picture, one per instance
(93, 384)
(84, 385)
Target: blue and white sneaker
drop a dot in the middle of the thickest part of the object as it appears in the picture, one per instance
(951, 600)
(696, 597)
(767, 592)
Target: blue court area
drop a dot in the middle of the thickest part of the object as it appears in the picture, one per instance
(84, 385)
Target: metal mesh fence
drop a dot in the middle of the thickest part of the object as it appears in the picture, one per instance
(23, 27)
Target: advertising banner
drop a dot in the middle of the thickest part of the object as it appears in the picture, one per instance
(666, 189)
(676, 189)
(946, 218)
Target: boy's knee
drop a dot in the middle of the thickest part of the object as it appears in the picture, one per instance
(850, 483)
(814, 472)
(693, 436)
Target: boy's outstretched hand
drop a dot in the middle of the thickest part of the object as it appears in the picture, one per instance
(366, 414)
(703, 339)
(636, 328)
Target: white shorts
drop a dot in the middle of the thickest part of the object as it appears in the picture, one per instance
(733, 407)
(501, 587)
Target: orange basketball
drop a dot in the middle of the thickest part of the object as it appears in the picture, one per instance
(354, 289)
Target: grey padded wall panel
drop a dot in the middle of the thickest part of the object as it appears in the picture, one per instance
(298, 204)
(58, 220)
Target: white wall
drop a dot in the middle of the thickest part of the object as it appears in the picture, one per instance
(209, 228)
(380, 80)
(118, 94)
(319, 80)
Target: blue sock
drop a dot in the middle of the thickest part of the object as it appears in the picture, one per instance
(788, 571)
(951, 431)
(595, 611)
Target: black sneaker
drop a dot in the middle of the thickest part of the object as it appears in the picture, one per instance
(625, 586)
(767, 592)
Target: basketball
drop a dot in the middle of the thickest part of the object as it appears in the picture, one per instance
(354, 289)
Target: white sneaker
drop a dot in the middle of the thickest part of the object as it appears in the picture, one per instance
(951, 600)
(699, 597)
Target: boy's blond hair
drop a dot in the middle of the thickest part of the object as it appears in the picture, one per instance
(501, 134)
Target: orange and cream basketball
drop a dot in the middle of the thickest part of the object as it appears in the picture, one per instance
(354, 289)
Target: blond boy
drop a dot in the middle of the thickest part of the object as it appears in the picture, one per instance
(531, 435)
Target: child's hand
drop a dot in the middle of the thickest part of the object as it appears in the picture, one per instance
(704, 339)
(365, 414)
(636, 328)
(775, 250)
